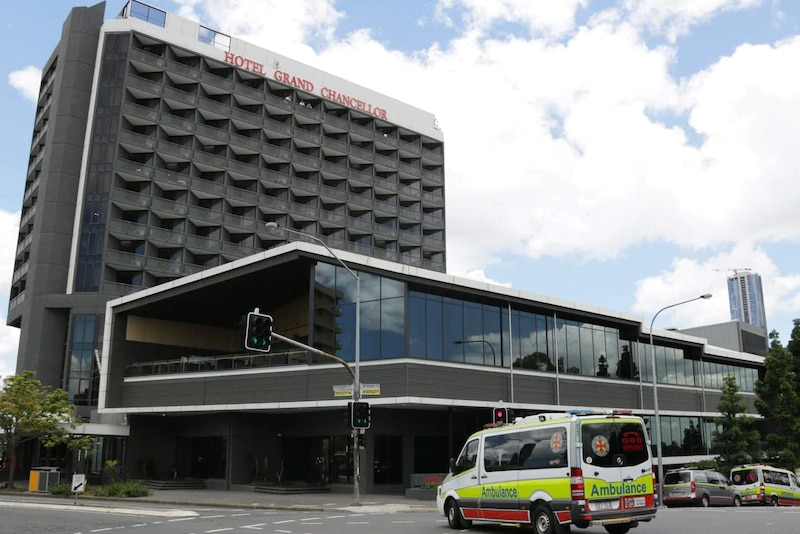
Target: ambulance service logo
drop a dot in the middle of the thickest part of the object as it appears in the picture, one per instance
(600, 446)
(557, 442)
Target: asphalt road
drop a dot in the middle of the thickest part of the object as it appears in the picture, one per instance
(27, 517)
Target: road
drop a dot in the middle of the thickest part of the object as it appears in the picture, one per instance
(42, 517)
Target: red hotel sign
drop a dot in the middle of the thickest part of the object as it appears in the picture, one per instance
(306, 85)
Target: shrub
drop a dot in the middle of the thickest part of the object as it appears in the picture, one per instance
(65, 488)
(119, 489)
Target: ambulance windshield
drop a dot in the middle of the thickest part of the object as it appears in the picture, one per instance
(614, 444)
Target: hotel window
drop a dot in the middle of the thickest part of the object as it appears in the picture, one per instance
(149, 14)
(214, 38)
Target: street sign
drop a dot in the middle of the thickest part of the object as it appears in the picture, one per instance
(78, 483)
(367, 390)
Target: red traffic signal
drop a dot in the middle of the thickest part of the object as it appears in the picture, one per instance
(501, 416)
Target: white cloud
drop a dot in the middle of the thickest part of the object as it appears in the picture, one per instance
(547, 18)
(26, 81)
(675, 17)
(687, 278)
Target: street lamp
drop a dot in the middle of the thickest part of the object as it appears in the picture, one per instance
(357, 375)
(655, 396)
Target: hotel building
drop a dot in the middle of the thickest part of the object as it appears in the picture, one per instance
(161, 149)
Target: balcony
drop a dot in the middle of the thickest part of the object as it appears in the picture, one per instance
(268, 149)
(212, 105)
(206, 215)
(164, 235)
(433, 219)
(176, 180)
(333, 193)
(277, 101)
(211, 189)
(338, 122)
(433, 177)
(180, 123)
(305, 185)
(202, 244)
(413, 148)
(243, 196)
(184, 70)
(237, 249)
(270, 179)
(249, 143)
(143, 113)
(410, 237)
(386, 186)
(181, 152)
(162, 266)
(385, 207)
(273, 204)
(220, 162)
(250, 92)
(334, 168)
(240, 221)
(308, 161)
(408, 168)
(361, 224)
(124, 260)
(133, 169)
(137, 82)
(245, 169)
(361, 200)
(179, 95)
(386, 161)
(411, 213)
(133, 139)
(217, 81)
(304, 210)
(142, 56)
(363, 131)
(204, 130)
(131, 199)
(433, 241)
(332, 217)
(126, 229)
(335, 144)
(384, 230)
(247, 116)
(277, 127)
(169, 208)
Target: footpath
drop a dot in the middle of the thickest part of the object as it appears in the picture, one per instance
(321, 502)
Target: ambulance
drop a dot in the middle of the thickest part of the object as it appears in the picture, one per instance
(553, 471)
(763, 484)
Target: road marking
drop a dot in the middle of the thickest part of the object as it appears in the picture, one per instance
(358, 522)
(211, 516)
(282, 522)
(284, 531)
(182, 519)
(254, 527)
(335, 516)
(218, 530)
(240, 515)
(310, 519)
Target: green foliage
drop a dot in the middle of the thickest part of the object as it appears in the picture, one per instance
(65, 488)
(705, 464)
(736, 439)
(30, 410)
(116, 489)
(779, 399)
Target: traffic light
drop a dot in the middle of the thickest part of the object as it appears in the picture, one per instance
(258, 332)
(361, 415)
(501, 416)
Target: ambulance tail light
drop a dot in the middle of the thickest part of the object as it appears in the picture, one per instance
(576, 484)
(763, 489)
(693, 487)
(655, 480)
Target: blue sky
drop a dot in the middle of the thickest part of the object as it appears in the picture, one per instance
(625, 154)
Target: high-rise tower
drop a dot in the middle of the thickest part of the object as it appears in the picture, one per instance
(747, 298)
(162, 147)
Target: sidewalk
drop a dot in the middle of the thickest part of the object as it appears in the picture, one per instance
(318, 502)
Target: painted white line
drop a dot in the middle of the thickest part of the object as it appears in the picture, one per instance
(254, 527)
(282, 522)
(218, 530)
(182, 519)
(100, 509)
(358, 522)
(284, 531)
(240, 515)
(211, 516)
(335, 516)
(311, 519)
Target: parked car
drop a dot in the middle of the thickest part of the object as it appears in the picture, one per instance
(699, 487)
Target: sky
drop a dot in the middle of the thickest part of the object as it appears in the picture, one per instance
(626, 154)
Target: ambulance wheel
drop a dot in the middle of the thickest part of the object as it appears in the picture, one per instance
(543, 520)
(774, 500)
(737, 501)
(704, 501)
(454, 519)
(617, 529)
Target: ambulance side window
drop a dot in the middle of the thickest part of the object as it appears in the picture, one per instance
(467, 458)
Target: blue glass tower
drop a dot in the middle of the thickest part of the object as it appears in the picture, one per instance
(747, 299)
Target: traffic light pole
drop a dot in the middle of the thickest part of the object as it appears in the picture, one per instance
(356, 396)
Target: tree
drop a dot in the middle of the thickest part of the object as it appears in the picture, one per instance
(626, 367)
(602, 366)
(779, 402)
(29, 410)
(735, 438)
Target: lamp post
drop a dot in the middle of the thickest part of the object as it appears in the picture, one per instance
(357, 375)
(655, 396)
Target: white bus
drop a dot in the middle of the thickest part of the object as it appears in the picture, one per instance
(551, 471)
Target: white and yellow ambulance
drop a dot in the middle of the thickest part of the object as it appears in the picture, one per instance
(551, 471)
(764, 484)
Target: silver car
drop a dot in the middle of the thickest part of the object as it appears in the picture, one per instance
(699, 487)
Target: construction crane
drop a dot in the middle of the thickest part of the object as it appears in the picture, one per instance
(734, 270)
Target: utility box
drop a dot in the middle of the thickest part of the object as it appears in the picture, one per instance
(43, 478)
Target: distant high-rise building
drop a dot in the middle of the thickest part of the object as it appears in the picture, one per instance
(747, 298)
